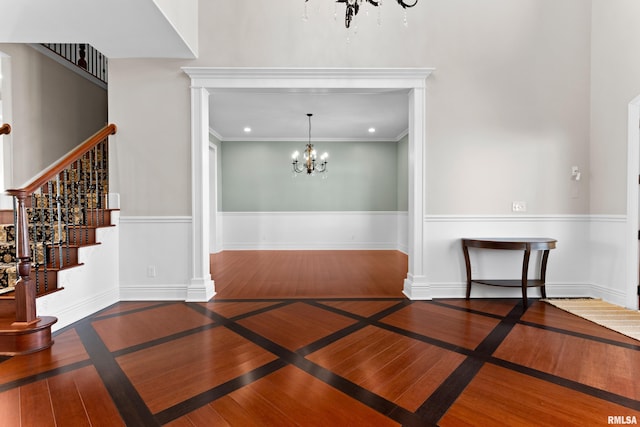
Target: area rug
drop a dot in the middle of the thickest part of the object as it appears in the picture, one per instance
(614, 317)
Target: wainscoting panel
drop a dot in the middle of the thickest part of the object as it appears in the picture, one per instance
(590, 258)
(314, 230)
(154, 258)
(89, 287)
(608, 262)
(569, 271)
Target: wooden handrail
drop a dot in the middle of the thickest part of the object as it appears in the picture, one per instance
(25, 292)
(5, 129)
(62, 163)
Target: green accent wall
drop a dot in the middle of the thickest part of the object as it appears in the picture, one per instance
(362, 176)
(403, 174)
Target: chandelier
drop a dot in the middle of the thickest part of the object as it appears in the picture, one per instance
(353, 7)
(309, 164)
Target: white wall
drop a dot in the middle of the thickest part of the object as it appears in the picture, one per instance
(90, 287)
(568, 266)
(508, 104)
(53, 110)
(512, 105)
(183, 16)
(157, 245)
(615, 82)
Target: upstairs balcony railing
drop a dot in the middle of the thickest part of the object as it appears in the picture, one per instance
(84, 56)
(56, 211)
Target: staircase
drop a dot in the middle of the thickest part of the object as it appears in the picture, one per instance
(54, 215)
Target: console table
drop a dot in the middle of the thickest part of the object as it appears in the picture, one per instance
(526, 244)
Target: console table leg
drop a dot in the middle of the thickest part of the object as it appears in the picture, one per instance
(467, 264)
(525, 273)
(543, 273)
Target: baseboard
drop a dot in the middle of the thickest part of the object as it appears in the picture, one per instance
(613, 296)
(297, 246)
(79, 310)
(156, 292)
(554, 290)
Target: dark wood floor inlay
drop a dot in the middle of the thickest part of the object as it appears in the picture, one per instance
(278, 347)
(391, 361)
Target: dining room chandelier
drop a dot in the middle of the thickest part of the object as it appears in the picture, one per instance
(309, 164)
(352, 7)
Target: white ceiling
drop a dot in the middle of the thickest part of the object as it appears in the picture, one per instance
(117, 28)
(143, 31)
(282, 115)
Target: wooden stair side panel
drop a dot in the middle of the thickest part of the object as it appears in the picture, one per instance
(17, 339)
(55, 213)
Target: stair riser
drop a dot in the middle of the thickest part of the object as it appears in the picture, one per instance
(44, 282)
(82, 236)
(69, 256)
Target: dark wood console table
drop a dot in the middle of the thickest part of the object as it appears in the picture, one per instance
(525, 244)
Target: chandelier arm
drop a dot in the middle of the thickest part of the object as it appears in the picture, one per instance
(296, 169)
(322, 167)
(405, 4)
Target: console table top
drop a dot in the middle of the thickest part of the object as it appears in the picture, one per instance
(514, 243)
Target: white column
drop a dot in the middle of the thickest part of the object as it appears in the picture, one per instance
(201, 287)
(415, 285)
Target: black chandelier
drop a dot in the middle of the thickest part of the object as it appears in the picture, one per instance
(309, 164)
(353, 7)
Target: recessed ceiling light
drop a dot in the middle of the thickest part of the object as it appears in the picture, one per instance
(372, 130)
(247, 129)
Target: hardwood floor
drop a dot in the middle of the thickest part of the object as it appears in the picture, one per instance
(309, 274)
(261, 357)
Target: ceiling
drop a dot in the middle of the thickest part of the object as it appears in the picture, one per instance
(117, 28)
(282, 115)
(337, 115)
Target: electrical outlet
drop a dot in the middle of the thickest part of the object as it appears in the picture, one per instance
(519, 206)
(151, 271)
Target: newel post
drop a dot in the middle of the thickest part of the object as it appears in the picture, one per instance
(25, 290)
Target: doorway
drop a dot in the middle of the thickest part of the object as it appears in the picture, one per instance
(201, 287)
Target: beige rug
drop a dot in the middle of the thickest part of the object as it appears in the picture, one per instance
(611, 316)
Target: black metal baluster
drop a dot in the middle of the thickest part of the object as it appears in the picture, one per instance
(15, 233)
(59, 222)
(45, 255)
(52, 226)
(76, 196)
(69, 214)
(103, 179)
(93, 155)
(84, 198)
(38, 219)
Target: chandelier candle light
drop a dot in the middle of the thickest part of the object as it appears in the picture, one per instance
(353, 7)
(309, 164)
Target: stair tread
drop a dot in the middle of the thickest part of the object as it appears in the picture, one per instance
(11, 295)
(6, 290)
(9, 325)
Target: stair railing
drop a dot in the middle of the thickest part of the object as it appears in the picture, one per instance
(54, 210)
(84, 56)
(5, 129)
